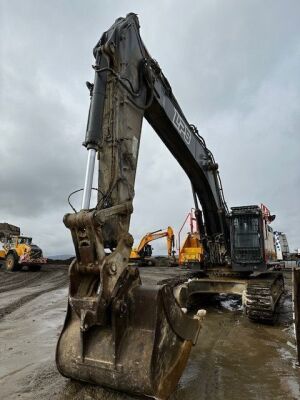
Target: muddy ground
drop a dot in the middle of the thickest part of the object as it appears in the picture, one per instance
(233, 359)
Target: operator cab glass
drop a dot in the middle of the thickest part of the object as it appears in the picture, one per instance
(246, 237)
(25, 240)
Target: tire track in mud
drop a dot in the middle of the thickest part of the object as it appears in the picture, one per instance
(15, 282)
(58, 280)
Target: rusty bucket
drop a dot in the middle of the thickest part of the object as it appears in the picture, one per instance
(117, 332)
(141, 346)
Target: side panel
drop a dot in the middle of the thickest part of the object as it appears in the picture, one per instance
(269, 243)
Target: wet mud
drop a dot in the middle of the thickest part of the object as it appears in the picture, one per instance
(233, 359)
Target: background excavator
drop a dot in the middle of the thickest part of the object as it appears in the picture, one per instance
(142, 255)
(118, 332)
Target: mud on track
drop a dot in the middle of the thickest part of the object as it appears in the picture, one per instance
(233, 359)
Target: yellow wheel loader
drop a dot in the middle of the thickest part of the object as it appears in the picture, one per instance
(19, 251)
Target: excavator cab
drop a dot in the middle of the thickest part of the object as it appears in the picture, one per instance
(147, 252)
(246, 236)
(252, 239)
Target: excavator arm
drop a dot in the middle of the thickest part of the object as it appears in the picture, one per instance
(118, 332)
(170, 242)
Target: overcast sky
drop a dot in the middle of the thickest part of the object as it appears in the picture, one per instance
(233, 66)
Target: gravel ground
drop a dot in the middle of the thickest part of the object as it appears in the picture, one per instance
(233, 359)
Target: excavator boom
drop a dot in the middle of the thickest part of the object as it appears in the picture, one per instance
(130, 85)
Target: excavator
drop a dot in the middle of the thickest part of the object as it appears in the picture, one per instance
(142, 255)
(118, 332)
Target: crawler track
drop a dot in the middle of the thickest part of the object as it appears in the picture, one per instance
(262, 296)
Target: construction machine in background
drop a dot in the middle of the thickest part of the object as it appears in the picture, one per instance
(118, 332)
(17, 251)
(191, 253)
(6, 230)
(142, 255)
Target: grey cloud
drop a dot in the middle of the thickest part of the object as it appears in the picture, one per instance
(234, 67)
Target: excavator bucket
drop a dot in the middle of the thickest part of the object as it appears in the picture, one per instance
(134, 339)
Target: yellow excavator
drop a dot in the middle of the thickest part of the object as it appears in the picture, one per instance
(142, 255)
(119, 332)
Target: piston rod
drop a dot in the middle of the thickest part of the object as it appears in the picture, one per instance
(87, 190)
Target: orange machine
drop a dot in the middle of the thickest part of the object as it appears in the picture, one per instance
(143, 253)
(191, 252)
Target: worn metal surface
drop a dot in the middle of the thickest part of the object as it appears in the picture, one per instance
(143, 349)
(118, 333)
